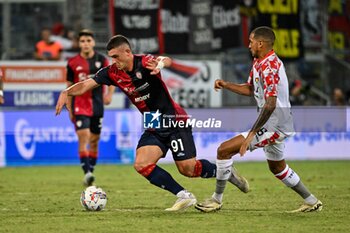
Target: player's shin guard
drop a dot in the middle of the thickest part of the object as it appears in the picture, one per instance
(84, 161)
(288, 177)
(161, 178)
(92, 159)
(204, 169)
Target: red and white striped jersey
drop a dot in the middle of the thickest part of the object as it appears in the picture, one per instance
(268, 78)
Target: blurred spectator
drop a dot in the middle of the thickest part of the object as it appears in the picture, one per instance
(298, 92)
(65, 37)
(2, 100)
(46, 49)
(338, 97)
(59, 35)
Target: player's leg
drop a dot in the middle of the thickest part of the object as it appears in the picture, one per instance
(149, 151)
(82, 126)
(95, 131)
(184, 154)
(225, 173)
(290, 178)
(93, 152)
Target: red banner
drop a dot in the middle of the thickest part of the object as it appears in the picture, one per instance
(34, 73)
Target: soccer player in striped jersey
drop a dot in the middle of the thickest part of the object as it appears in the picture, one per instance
(268, 84)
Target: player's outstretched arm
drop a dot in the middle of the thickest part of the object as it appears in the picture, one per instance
(74, 90)
(242, 89)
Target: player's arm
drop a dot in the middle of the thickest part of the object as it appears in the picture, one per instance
(107, 98)
(242, 89)
(69, 101)
(155, 65)
(70, 82)
(74, 90)
(263, 117)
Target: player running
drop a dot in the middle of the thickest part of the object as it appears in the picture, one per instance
(138, 76)
(269, 85)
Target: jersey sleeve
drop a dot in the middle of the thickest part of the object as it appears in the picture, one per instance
(102, 77)
(271, 78)
(70, 74)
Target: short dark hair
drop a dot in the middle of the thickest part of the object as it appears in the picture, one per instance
(117, 41)
(86, 32)
(266, 33)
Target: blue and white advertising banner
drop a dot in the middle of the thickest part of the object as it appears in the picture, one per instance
(2, 140)
(321, 133)
(30, 99)
(40, 138)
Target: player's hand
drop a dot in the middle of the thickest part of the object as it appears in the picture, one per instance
(155, 71)
(152, 64)
(107, 99)
(61, 102)
(219, 84)
(245, 144)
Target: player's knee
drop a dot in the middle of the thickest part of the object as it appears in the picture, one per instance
(186, 170)
(276, 167)
(94, 141)
(144, 169)
(222, 152)
(138, 166)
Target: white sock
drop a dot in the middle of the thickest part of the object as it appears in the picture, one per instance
(310, 200)
(223, 168)
(182, 193)
(288, 177)
(218, 197)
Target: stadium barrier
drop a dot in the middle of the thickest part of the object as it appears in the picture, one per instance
(38, 137)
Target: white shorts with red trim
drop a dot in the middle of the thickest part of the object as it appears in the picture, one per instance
(271, 141)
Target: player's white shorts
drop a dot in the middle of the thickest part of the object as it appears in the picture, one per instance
(270, 141)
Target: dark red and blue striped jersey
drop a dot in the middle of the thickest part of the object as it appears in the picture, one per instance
(147, 92)
(78, 69)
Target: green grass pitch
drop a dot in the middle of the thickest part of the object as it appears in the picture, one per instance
(46, 199)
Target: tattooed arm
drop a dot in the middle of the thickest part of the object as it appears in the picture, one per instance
(264, 116)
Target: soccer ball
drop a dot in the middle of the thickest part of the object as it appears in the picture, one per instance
(93, 198)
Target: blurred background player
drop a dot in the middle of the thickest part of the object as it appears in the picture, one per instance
(86, 111)
(268, 83)
(2, 100)
(139, 77)
(46, 49)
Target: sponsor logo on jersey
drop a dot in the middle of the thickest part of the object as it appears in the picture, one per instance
(142, 87)
(142, 98)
